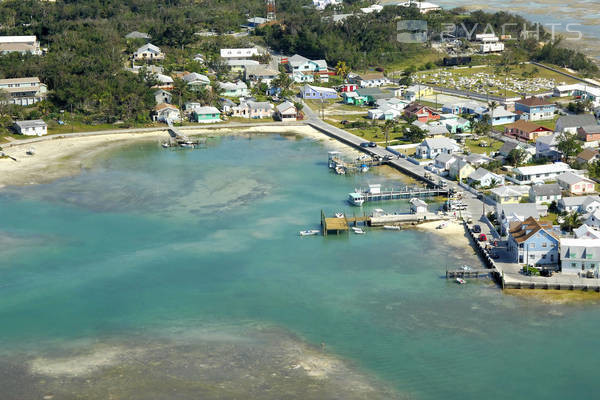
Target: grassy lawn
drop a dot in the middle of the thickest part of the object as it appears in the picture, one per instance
(550, 123)
(316, 104)
(474, 147)
(551, 217)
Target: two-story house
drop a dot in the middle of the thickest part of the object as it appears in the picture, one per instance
(535, 108)
(534, 243)
(24, 91)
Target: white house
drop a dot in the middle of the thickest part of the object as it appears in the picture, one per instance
(592, 219)
(36, 127)
(545, 193)
(166, 112)
(298, 63)
(417, 206)
(286, 111)
(20, 44)
(375, 79)
(570, 123)
(431, 148)
(148, 52)
(443, 161)
(539, 173)
(196, 80)
(586, 232)
(509, 213)
(547, 146)
(484, 178)
(234, 89)
(24, 91)
(580, 204)
(239, 54)
(575, 184)
(423, 6)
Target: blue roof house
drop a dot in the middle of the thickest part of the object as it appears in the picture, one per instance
(317, 92)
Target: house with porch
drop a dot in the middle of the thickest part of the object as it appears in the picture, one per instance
(298, 63)
(431, 148)
(535, 108)
(384, 112)
(148, 52)
(525, 130)
(511, 194)
(234, 89)
(196, 80)
(253, 109)
(286, 111)
(539, 173)
(24, 91)
(533, 242)
(444, 160)
(260, 73)
(373, 79)
(20, 44)
(575, 184)
(165, 112)
(545, 193)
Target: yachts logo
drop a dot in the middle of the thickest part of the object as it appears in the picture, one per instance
(412, 31)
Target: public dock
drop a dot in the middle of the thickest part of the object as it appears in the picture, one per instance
(342, 166)
(375, 193)
(472, 273)
(340, 225)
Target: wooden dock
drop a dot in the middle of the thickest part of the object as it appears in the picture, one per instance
(340, 225)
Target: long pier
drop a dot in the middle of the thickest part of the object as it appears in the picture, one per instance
(401, 193)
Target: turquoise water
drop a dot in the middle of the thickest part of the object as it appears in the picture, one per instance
(151, 239)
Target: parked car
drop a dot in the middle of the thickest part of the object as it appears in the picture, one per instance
(372, 144)
(476, 228)
(546, 272)
(364, 144)
(482, 237)
(344, 122)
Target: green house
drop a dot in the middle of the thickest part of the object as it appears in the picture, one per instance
(353, 98)
(205, 115)
(371, 95)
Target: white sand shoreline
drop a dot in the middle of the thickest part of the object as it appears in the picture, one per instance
(58, 156)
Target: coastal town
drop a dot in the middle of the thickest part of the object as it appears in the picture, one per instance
(522, 140)
(298, 199)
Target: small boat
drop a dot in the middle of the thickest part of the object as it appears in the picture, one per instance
(189, 145)
(340, 170)
(339, 215)
(392, 227)
(165, 145)
(358, 231)
(364, 168)
(356, 199)
(309, 232)
(466, 268)
(460, 281)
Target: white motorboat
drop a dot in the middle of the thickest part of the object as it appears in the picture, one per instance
(392, 227)
(165, 145)
(340, 170)
(356, 199)
(364, 168)
(466, 268)
(309, 232)
(358, 231)
(339, 215)
(460, 281)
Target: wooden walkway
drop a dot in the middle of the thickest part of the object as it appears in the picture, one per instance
(402, 194)
(473, 273)
(340, 225)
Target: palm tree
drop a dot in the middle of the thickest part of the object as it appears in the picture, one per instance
(387, 126)
(341, 69)
(571, 221)
(492, 104)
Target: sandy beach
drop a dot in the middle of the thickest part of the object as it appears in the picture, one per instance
(454, 232)
(57, 156)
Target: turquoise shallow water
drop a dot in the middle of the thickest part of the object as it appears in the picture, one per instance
(152, 239)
